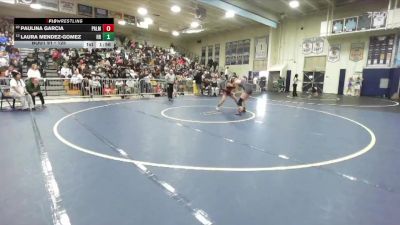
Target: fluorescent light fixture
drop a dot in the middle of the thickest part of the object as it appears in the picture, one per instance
(192, 31)
(36, 6)
(175, 9)
(122, 22)
(148, 20)
(162, 29)
(175, 33)
(294, 4)
(229, 14)
(142, 11)
(194, 24)
(142, 24)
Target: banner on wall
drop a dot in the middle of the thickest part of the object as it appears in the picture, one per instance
(356, 52)
(85, 10)
(350, 24)
(318, 45)
(261, 48)
(100, 13)
(379, 20)
(49, 4)
(380, 50)
(116, 15)
(26, 2)
(337, 26)
(364, 21)
(334, 53)
(131, 20)
(67, 6)
(307, 46)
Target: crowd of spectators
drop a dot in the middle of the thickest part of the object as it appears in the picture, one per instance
(136, 62)
(139, 65)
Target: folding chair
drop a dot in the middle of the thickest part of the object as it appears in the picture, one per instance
(6, 98)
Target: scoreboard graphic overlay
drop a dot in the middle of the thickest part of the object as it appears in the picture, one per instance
(64, 33)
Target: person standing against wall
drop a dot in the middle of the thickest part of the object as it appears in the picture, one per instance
(170, 78)
(350, 86)
(357, 86)
(227, 72)
(295, 82)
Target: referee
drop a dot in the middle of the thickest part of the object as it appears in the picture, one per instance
(170, 78)
(295, 82)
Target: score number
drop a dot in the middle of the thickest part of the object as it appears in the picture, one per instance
(108, 36)
(108, 32)
(108, 27)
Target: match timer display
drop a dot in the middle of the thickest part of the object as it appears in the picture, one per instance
(64, 33)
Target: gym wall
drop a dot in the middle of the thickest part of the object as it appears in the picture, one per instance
(291, 34)
(234, 35)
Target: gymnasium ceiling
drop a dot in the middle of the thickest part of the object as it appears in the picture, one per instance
(214, 21)
(159, 11)
(281, 7)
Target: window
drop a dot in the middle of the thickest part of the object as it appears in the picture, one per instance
(203, 56)
(210, 53)
(237, 52)
(216, 55)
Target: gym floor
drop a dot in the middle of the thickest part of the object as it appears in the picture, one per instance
(315, 161)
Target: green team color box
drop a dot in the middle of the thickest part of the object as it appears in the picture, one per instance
(108, 36)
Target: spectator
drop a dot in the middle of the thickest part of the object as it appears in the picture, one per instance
(147, 83)
(210, 63)
(29, 60)
(198, 80)
(15, 54)
(33, 88)
(3, 76)
(18, 91)
(65, 71)
(281, 84)
(227, 72)
(350, 86)
(34, 72)
(8, 72)
(214, 87)
(76, 80)
(16, 64)
(215, 65)
(357, 86)
(4, 60)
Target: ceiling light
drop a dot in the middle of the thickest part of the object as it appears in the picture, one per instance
(142, 11)
(192, 31)
(36, 6)
(194, 24)
(175, 33)
(162, 29)
(294, 4)
(122, 22)
(175, 9)
(229, 14)
(148, 20)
